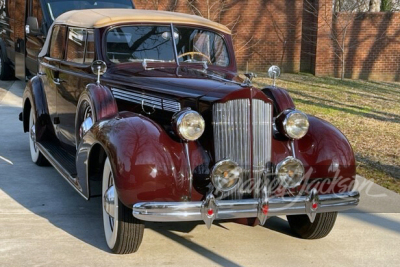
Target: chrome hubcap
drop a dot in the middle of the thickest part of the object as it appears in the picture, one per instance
(109, 201)
(87, 122)
(33, 135)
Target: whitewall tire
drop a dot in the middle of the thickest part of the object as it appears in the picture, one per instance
(36, 156)
(123, 232)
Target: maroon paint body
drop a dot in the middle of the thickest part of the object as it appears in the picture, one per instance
(150, 165)
(148, 159)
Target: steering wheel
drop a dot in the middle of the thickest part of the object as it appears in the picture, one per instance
(195, 53)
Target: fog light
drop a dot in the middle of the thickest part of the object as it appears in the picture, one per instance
(290, 172)
(226, 175)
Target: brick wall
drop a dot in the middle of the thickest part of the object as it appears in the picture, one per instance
(265, 32)
(284, 33)
(373, 46)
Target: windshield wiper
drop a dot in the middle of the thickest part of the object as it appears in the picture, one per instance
(204, 64)
(145, 60)
(217, 77)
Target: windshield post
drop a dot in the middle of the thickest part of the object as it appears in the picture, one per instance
(174, 44)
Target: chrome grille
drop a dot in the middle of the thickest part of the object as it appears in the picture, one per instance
(233, 130)
(262, 131)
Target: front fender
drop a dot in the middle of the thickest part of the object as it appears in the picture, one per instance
(148, 165)
(280, 97)
(326, 154)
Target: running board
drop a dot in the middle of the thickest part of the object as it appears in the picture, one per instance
(71, 179)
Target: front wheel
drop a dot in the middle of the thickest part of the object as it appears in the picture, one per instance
(123, 232)
(321, 227)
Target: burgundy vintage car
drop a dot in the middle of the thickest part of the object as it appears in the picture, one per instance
(146, 109)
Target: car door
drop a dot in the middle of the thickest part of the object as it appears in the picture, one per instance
(34, 41)
(75, 74)
(49, 70)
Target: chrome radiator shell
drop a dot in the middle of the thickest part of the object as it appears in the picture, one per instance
(242, 132)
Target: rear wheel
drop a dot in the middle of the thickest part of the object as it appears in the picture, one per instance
(6, 72)
(36, 156)
(321, 227)
(123, 232)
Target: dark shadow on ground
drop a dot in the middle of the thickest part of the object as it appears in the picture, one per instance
(376, 220)
(347, 110)
(350, 108)
(167, 230)
(279, 225)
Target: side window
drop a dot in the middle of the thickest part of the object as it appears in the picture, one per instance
(76, 45)
(89, 56)
(57, 44)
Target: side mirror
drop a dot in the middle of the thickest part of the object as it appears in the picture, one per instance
(274, 72)
(32, 26)
(99, 68)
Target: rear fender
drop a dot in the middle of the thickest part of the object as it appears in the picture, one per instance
(34, 96)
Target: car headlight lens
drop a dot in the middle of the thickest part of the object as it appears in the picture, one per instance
(290, 172)
(189, 125)
(226, 175)
(296, 124)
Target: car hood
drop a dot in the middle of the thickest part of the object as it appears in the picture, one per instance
(178, 83)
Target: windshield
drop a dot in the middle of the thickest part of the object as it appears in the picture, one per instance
(57, 7)
(154, 43)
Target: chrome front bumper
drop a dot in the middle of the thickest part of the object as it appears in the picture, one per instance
(212, 209)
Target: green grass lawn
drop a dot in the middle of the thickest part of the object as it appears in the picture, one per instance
(367, 112)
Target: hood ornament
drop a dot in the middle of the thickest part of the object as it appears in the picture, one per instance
(249, 77)
(274, 72)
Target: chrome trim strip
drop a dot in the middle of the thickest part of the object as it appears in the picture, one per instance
(187, 154)
(147, 100)
(293, 149)
(243, 208)
(174, 44)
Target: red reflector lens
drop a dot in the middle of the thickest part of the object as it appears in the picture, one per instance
(265, 209)
(314, 206)
(210, 212)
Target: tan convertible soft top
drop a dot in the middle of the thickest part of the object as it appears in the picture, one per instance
(97, 18)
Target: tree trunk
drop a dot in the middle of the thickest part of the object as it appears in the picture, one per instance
(343, 53)
(337, 5)
(374, 5)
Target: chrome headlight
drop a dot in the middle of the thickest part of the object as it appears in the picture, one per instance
(226, 175)
(290, 172)
(295, 124)
(189, 125)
